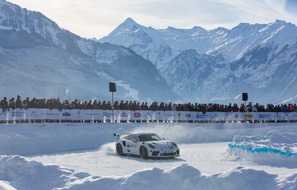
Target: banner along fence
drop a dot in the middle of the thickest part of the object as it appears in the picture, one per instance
(76, 115)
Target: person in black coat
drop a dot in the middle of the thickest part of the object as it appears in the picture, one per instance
(4, 104)
(18, 102)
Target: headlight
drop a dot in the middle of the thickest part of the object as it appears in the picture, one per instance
(151, 146)
(174, 144)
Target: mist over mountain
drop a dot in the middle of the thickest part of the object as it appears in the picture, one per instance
(218, 65)
(39, 59)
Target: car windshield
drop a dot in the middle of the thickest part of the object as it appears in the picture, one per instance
(149, 137)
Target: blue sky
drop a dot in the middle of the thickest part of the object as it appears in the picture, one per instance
(97, 18)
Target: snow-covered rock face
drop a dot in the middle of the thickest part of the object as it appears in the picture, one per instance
(17, 19)
(259, 59)
(189, 65)
(39, 59)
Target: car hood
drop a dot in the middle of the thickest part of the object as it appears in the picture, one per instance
(162, 144)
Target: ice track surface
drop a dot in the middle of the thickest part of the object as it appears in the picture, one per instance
(210, 158)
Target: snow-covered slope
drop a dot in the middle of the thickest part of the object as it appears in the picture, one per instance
(258, 59)
(38, 58)
(147, 42)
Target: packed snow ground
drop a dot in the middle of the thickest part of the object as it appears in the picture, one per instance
(82, 156)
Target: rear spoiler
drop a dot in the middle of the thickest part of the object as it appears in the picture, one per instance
(119, 135)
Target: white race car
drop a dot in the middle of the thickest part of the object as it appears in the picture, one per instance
(145, 145)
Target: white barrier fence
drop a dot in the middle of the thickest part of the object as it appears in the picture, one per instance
(75, 115)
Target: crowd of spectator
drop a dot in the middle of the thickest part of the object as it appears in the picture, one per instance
(53, 103)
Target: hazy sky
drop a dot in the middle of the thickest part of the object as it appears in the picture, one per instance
(97, 18)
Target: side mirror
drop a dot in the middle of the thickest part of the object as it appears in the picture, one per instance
(116, 135)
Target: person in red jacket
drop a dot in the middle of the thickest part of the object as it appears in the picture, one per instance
(235, 108)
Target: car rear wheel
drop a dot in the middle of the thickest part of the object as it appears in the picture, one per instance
(119, 149)
(143, 153)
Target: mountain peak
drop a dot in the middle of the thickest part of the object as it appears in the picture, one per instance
(128, 23)
(198, 28)
(282, 23)
(277, 21)
(129, 20)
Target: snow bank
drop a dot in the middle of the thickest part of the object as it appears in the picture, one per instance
(187, 177)
(17, 173)
(281, 146)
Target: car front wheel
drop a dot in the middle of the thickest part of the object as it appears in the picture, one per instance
(143, 153)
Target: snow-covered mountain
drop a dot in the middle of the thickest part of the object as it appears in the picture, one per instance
(218, 65)
(39, 59)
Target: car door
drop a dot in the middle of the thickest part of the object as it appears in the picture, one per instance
(133, 144)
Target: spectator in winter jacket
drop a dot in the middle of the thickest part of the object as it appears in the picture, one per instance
(116, 105)
(235, 108)
(4, 104)
(26, 103)
(137, 106)
(144, 106)
(11, 103)
(18, 102)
